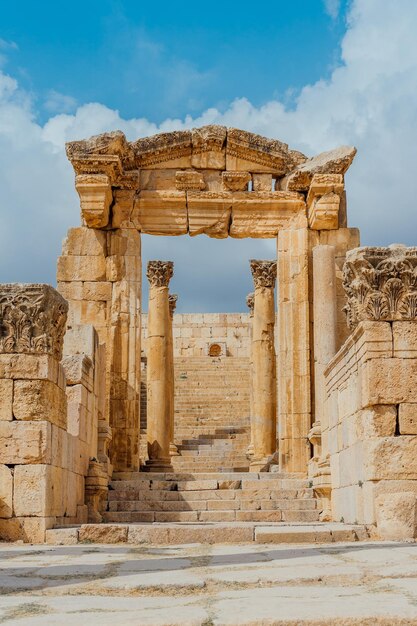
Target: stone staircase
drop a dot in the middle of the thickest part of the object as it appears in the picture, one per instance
(212, 428)
(210, 497)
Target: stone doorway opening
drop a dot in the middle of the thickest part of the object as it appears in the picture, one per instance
(211, 335)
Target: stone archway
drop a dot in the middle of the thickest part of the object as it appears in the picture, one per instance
(214, 181)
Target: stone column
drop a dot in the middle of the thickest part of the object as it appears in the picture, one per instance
(159, 274)
(325, 328)
(172, 300)
(263, 365)
(250, 301)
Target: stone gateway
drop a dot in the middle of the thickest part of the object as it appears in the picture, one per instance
(115, 425)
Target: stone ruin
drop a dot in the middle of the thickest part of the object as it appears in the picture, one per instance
(301, 412)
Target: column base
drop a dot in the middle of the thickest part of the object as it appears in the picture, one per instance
(158, 465)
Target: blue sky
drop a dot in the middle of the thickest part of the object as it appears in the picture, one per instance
(313, 73)
(169, 58)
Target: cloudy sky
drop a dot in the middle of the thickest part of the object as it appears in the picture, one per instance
(313, 73)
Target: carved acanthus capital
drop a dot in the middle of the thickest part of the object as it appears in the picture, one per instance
(172, 301)
(32, 319)
(264, 273)
(381, 284)
(159, 273)
(250, 301)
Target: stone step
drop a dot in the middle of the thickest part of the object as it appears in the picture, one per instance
(226, 515)
(208, 533)
(179, 476)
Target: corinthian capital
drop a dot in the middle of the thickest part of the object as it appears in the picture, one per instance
(264, 273)
(250, 301)
(32, 319)
(380, 284)
(159, 273)
(172, 301)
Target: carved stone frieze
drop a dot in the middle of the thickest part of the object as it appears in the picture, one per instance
(236, 181)
(32, 319)
(264, 273)
(381, 284)
(172, 301)
(210, 138)
(159, 273)
(270, 154)
(250, 302)
(189, 181)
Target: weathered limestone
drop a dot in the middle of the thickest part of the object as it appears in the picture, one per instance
(370, 389)
(172, 302)
(294, 333)
(324, 315)
(250, 301)
(159, 384)
(263, 421)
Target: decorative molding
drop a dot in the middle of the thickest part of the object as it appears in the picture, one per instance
(269, 153)
(189, 181)
(162, 147)
(264, 273)
(32, 319)
(236, 181)
(159, 273)
(95, 198)
(250, 302)
(172, 302)
(380, 284)
(211, 138)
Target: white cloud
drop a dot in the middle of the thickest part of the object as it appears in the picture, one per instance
(369, 101)
(332, 8)
(57, 102)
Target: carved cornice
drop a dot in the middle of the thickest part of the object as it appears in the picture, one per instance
(264, 273)
(172, 301)
(250, 302)
(380, 284)
(159, 273)
(208, 138)
(32, 319)
(162, 147)
(269, 153)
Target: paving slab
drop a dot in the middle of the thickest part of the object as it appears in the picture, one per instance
(372, 584)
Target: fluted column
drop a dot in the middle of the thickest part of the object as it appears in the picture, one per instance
(250, 301)
(263, 365)
(172, 300)
(159, 274)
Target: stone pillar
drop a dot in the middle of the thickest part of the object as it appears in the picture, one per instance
(172, 300)
(250, 301)
(294, 379)
(159, 274)
(325, 328)
(263, 365)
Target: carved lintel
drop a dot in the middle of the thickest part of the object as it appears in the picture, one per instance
(380, 284)
(159, 273)
(189, 181)
(32, 319)
(250, 302)
(172, 301)
(264, 273)
(236, 181)
(95, 198)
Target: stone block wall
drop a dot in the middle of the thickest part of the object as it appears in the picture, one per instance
(194, 333)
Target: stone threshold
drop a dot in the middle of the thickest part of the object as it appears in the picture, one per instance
(209, 533)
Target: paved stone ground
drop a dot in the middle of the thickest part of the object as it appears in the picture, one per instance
(207, 585)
